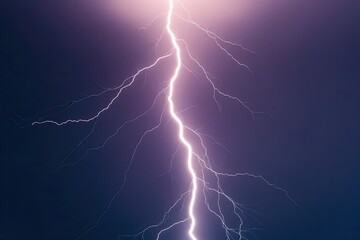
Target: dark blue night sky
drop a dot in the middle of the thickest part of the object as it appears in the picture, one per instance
(306, 74)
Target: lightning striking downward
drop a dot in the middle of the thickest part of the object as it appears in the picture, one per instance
(204, 177)
(179, 122)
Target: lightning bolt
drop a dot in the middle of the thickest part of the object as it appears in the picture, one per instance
(180, 123)
(205, 179)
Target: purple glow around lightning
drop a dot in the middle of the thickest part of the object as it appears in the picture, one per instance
(198, 162)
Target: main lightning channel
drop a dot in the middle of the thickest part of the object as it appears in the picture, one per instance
(202, 174)
(180, 123)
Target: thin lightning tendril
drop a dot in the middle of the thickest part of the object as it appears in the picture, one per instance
(203, 176)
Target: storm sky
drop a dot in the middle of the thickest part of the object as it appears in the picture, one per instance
(305, 76)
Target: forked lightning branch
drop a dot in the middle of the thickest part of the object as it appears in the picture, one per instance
(202, 189)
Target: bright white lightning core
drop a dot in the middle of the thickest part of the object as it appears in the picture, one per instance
(205, 179)
(179, 122)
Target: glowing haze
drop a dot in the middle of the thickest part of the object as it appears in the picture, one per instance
(142, 11)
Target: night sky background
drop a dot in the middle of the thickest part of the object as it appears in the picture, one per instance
(306, 76)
